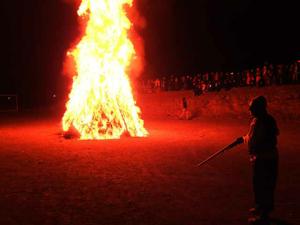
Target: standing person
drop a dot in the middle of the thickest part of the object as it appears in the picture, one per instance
(157, 85)
(271, 75)
(265, 76)
(294, 72)
(262, 141)
(280, 74)
(185, 114)
(248, 78)
(252, 77)
(258, 78)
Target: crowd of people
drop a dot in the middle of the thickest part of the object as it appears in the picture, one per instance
(265, 75)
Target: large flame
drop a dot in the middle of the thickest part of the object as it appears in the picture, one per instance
(101, 104)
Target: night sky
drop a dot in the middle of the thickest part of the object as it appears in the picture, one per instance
(181, 37)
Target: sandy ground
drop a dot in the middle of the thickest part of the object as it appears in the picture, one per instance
(283, 102)
(48, 180)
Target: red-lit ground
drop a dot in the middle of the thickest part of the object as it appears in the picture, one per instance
(48, 180)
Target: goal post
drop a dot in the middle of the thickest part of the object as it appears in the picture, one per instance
(9, 103)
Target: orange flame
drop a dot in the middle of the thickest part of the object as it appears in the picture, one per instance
(101, 104)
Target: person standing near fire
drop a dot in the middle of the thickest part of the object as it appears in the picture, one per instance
(185, 113)
(262, 145)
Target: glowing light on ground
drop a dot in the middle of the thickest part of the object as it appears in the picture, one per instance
(101, 103)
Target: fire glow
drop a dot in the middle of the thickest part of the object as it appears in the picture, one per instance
(101, 103)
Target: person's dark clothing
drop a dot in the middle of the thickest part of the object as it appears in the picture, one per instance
(262, 141)
(262, 137)
(184, 103)
(264, 183)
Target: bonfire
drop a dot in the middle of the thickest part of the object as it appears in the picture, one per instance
(101, 103)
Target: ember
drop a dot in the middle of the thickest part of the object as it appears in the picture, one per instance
(101, 103)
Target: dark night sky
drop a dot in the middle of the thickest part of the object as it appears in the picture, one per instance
(181, 37)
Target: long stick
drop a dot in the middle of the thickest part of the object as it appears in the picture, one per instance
(233, 144)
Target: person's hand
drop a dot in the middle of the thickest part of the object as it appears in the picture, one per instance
(252, 158)
(240, 140)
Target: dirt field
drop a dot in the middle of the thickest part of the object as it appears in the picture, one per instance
(48, 180)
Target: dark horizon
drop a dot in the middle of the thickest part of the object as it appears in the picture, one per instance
(181, 37)
(216, 36)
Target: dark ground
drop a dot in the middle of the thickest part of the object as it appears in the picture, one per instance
(48, 180)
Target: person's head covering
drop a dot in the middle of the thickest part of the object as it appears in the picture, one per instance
(258, 106)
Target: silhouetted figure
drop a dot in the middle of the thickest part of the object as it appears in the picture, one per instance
(258, 78)
(279, 74)
(196, 89)
(185, 114)
(271, 75)
(262, 141)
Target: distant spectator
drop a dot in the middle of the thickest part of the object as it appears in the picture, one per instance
(248, 79)
(258, 79)
(270, 74)
(163, 84)
(279, 74)
(184, 85)
(252, 77)
(266, 75)
(294, 72)
(157, 85)
(176, 84)
(185, 114)
(197, 88)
